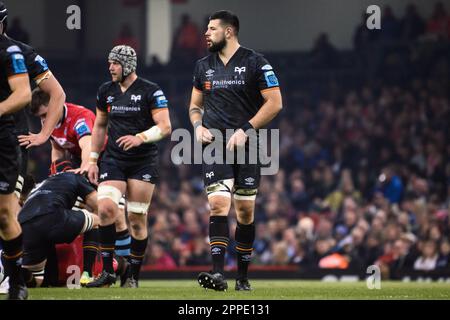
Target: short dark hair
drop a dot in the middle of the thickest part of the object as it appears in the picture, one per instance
(38, 98)
(228, 18)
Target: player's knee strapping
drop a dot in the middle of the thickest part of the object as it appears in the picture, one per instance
(245, 194)
(109, 192)
(140, 208)
(220, 188)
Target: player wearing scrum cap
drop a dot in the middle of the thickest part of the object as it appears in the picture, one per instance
(134, 113)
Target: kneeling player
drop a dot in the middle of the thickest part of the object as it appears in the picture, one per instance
(47, 219)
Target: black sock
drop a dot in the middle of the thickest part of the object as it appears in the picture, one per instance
(11, 260)
(90, 249)
(137, 256)
(107, 240)
(219, 235)
(123, 243)
(244, 236)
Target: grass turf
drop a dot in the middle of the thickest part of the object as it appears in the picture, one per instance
(263, 289)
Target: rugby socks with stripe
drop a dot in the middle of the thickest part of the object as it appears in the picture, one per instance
(219, 236)
(107, 240)
(137, 254)
(244, 236)
(123, 243)
(12, 259)
(90, 249)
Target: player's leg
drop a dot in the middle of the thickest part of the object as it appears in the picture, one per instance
(139, 197)
(10, 230)
(244, 194)
(109, 194)
(123, 242)
(219, 184)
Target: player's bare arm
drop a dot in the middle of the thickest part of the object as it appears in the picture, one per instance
(20, 96)
(97, 140)
(49, 84)
(161, 129)
(202, 134)
(271, 107)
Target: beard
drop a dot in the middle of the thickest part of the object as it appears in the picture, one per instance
(217, 46)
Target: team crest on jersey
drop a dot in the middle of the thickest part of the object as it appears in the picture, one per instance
(239, 70)
(109, 99)
(136, 98)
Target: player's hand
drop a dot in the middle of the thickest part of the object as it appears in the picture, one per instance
(32, 140)
(238, 139)
(128, 142)
(82, 169)
(93, 173)
(203, 135)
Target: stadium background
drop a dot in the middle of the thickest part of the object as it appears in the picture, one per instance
(364, 173)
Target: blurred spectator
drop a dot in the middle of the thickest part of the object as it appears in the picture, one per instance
(323, 53)
(127, 37)
(439, 23)
(412, 24)
(188, 44)
(428, 258)
(17, 32)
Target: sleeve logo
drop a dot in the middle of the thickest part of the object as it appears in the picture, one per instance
(271, 79)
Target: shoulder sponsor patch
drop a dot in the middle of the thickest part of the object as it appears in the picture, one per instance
(161, 102)
(266, 67)
(18, 63)
(12, 49)
(42, 62)
(81, 127)
(271, 79)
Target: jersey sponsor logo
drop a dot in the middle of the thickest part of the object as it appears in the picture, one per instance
(135, 98)
(42, 62)
(109, 99)
(226, 83)
(271, 79)
(239, 70)
(161, 102)
(266, 67)
(81, 127)
(12, 49)
(123, 109)
(18, 63)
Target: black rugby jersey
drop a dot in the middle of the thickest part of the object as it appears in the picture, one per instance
(54, 194)
(232, 93)
(12, 63)
(130, 113)
(37, 67)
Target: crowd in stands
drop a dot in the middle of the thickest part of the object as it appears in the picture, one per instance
(364, 169)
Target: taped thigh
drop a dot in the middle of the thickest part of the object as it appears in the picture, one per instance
(109, 192)
(245, 194)
(220, 188)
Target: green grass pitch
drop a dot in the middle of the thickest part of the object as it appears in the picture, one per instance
(263, 289)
